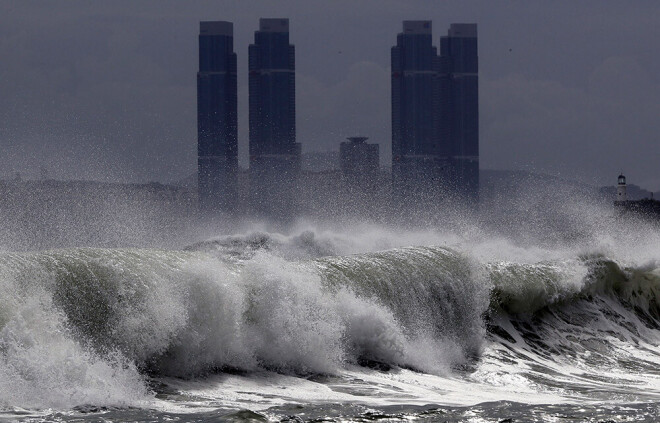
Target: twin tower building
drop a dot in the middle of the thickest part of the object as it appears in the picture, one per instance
(274, 152)
(435, 119)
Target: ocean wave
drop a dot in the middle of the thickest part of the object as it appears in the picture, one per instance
(118, 315)
(528, 288)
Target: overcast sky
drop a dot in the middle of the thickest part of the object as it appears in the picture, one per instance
(106, 90)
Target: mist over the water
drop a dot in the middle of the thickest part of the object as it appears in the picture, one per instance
(526, 211)
(543, 294)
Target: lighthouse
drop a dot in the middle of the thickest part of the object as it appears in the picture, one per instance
(645, 208)
(621, 193)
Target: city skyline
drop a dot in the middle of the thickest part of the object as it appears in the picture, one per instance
(435, 121)
(133, 120)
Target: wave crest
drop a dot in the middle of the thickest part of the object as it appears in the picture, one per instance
(121, 313)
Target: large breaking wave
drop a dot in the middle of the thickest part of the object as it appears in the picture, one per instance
(92, 326)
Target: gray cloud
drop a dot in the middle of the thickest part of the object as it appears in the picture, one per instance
(106, 90)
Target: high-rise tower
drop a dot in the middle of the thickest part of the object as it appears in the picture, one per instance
(274, 153)
(435, 116)
(459, 112)
(418, 156)
(217, 137)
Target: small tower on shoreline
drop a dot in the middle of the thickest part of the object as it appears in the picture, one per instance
(621, 190)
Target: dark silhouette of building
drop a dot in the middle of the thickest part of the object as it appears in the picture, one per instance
(359, 161)
(360, 168)
(435, 134)
(274, 153)
(217, 136)
(418, 158)
(459, 107)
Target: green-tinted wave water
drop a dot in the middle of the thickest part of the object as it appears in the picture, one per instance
(99, 326)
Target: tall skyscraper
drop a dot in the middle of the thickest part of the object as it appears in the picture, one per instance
(435, 134)
(217, 136)
(418, 157)
(274, 153)
(459, 112)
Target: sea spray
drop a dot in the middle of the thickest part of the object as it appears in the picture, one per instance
(43, 365)
(186, 313)
(438, 296)
(104, 323)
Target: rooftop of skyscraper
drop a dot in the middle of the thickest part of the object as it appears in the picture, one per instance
(417, 27)
(466, 30)
(274, 24)
(216, 28)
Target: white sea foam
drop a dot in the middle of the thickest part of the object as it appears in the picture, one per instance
(91, 326)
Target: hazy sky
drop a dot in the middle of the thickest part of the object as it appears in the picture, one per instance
(106, 90)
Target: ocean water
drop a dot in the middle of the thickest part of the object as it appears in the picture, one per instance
(353, 323)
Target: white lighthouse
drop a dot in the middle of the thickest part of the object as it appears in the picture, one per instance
(621, 191)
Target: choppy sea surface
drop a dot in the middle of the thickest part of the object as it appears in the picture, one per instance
(359, 324)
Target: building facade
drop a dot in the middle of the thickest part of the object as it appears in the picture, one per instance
(459, 111)
(417, 159)
(217, 127)
(435, 134)
(274, 152)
